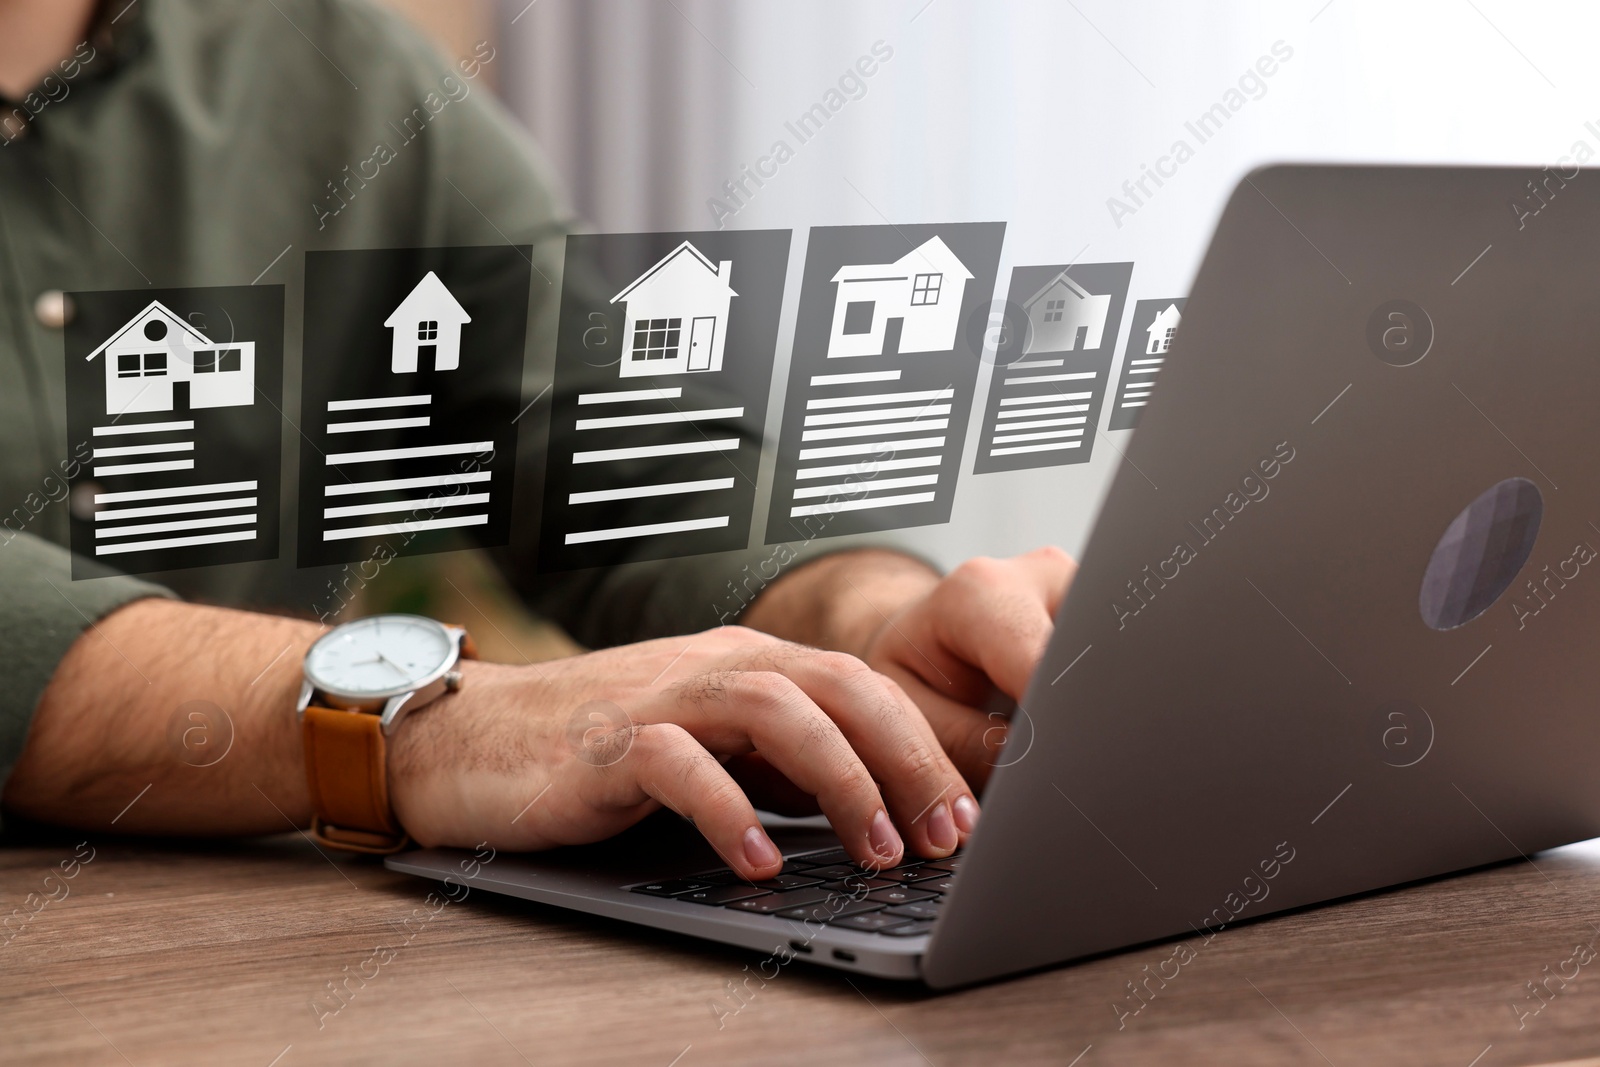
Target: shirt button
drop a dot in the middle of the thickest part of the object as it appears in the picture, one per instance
(81, 502)
(53, 309)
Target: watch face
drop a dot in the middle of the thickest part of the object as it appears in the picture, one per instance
(380, 656)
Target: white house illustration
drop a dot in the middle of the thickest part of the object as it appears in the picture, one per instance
(1161, 331)
(156, 356)
(427, 328)
(682, 287)
(1065, 317)
(923, 288)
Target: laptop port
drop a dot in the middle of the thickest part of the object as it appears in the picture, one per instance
(841, 954)
(800, 946)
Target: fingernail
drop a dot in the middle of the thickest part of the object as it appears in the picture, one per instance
(882, 838)
(942, 829)
(759, 849)
(966, 814)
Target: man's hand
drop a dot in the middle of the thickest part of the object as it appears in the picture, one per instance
(576, 750)
(526, 757)
(952, 643)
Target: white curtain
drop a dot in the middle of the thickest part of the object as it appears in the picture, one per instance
(1034, 112)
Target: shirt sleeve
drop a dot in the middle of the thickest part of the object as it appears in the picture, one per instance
(42, 612)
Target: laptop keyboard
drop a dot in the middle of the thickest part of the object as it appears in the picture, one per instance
(826, 887)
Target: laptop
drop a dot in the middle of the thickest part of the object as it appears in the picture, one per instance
(1332, 631)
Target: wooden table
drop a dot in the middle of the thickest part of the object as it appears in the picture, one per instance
(156, 953)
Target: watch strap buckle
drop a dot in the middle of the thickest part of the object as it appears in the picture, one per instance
(350, 840)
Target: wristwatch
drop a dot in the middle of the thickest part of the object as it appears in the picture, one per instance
(361, 679)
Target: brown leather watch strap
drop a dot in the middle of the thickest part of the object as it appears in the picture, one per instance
(348, 774)
(346, 768)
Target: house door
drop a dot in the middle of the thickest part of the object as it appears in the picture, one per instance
(1079, 338)
(701, 335)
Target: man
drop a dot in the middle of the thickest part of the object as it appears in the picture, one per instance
(185, 143)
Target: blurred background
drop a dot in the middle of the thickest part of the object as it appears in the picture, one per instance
(1035, 112)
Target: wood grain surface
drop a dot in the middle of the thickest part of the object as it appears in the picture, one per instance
(219, 953)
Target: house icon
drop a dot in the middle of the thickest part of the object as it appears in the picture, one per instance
(1161, 331)
(682, 286)
(158, 362)
(1065, 317)
(923, 289)
(427, 328)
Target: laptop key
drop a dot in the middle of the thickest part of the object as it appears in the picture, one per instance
(775, 883)
(831, 873)
(833, 855)
(857, 884)
(828, 911)
(672, 888)
(788, 881)
(937, 885)
(872, 922)
(928, 874)
(909, 929)
(728, 877)
(723, 894)
(775, 902)
(899, 894)
(906, 874)
(949, 863)
(922, 909)
(795, 867)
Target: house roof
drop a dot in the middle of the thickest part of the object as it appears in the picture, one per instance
(430, 299)
(931, 253)
(1167, 317)
(698, 257)
(164, 312)
(1060, 279)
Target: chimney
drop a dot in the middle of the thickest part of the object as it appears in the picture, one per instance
(725, 271)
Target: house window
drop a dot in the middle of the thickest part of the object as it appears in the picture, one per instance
(155, 364)
(428, 330)
(858, 316)
(228, 360)
(128, 365)
(1166, 338)
(925, 289)
(656, 339)
(205, 361)
(1053, 310)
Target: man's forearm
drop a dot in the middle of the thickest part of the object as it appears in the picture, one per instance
(840, 601)
(153, 696)
(189, 708)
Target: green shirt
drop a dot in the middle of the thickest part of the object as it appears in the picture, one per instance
(193, 143)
